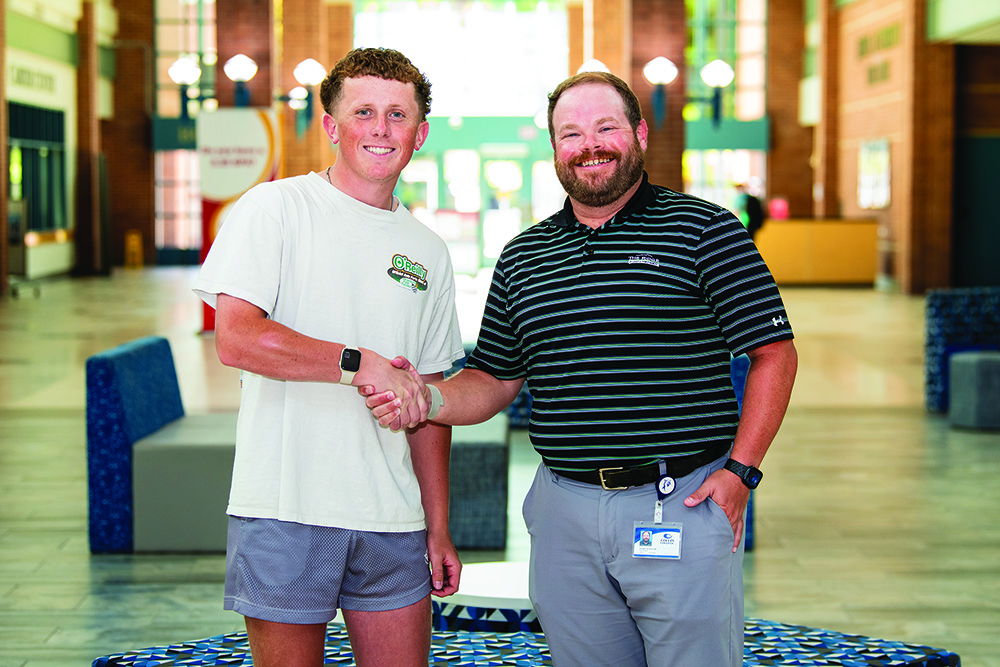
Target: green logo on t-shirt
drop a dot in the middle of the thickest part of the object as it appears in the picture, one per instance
(409, 274)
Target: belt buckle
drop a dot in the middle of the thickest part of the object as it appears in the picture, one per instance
(604, 484)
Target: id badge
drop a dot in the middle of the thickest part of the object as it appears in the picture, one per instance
(657, 540)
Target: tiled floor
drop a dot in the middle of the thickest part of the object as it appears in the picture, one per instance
(874, 517)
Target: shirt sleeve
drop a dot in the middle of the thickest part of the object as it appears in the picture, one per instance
(245, 258)
(739, 287)
(499, 351)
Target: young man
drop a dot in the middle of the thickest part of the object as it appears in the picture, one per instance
(622, 311)
(315, 279)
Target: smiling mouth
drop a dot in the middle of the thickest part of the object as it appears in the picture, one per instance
(378, 150)
(593, 162)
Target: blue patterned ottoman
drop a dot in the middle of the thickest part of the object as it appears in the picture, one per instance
(957, 320)
(767, 643)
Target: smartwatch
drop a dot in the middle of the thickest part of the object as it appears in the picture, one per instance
(751, 476)
(350, 362)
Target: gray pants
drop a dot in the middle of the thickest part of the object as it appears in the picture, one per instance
(598, 605)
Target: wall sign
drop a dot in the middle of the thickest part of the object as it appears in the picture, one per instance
(874, 183)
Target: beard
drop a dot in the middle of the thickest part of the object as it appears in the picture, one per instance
(599, 193)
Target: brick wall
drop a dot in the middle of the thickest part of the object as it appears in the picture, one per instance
(127, 137)
(895, 86)
(574, 19)
(246, 26)
(659, 28)
(303, 35)
(611, 34)
(978, 90)
(826, 202)
(4, 133)
(789, 173)
(90, 244)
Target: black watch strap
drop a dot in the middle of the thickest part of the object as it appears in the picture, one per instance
(751, 476)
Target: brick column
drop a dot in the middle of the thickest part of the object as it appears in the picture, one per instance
(825, 204)
(90, 238)
(611, 30)
(247, 27)
(788, 168)
(4, 133)
(924, 260)
(574, 20)
(659, 28)
(339, 31)
(305, 35)
(130, 131)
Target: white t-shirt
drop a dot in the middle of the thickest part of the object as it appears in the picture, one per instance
(333, 268)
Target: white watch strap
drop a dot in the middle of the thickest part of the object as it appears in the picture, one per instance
(346, 376)
(437, 402)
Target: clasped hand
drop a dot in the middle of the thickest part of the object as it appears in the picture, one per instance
(400, 399)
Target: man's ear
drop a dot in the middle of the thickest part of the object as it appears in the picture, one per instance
(422, 131)
(642, 133)
(330, 127)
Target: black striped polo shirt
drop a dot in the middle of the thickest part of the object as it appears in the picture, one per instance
(625, 333)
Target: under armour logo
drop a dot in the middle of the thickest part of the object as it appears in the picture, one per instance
(778, 321)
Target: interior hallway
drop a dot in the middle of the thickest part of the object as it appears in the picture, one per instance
(873, 518)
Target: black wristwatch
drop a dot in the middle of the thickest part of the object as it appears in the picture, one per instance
(751, 476)
(350, 362)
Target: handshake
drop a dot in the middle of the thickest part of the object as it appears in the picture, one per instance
(399, 397)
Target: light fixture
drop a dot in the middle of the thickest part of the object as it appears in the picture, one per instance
(297, 97)
(593, 65)
(660, 72)
(309, 73)
(184, 72)
(717, 75)
(240, 69)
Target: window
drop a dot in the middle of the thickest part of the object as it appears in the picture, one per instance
(37, 166)
(184, 28)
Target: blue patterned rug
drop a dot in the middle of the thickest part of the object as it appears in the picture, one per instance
(767, 643)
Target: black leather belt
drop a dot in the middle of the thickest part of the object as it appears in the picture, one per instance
(622, 478)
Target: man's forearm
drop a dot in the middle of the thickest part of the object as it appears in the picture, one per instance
(473, 396)
(765, 399)
(430, 451)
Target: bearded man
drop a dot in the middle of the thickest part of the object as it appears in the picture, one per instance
(622, 312)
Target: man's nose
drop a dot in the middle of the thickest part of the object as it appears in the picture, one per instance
(592, 141)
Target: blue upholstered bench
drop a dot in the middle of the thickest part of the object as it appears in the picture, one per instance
(479, 471)
(974, 382)
(159, 478)
(766, 644)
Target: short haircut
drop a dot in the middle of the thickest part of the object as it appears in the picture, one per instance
(631, 103)
(383, 63)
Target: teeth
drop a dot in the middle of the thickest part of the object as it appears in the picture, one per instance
(378, 150)
(592, 163)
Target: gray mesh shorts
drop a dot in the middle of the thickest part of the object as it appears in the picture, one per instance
(294, 573)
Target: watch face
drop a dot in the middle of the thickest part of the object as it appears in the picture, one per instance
(350, 360)
(753, 477)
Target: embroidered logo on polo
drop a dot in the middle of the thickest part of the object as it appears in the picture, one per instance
(408, 274)
(643, 259)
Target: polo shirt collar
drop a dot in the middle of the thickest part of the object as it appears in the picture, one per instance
(639, 200)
